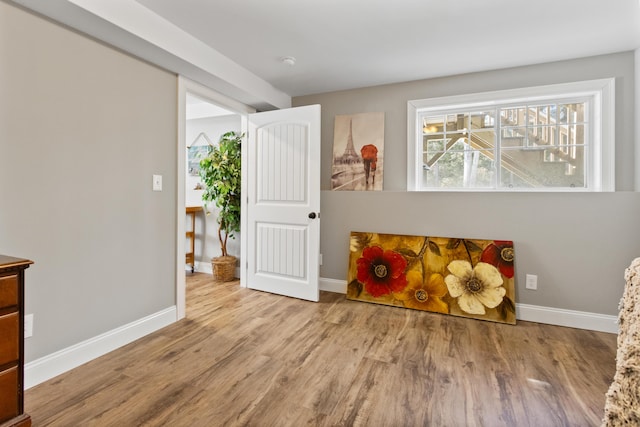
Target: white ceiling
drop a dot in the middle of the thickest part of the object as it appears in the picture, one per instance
(197, 108)
(343, 44)
(236, 46)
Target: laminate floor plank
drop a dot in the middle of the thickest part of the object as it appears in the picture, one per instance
(250, 358)
(326, 362)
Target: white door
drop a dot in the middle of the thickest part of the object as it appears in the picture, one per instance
(284, 202)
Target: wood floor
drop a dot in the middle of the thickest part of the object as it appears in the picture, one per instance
(245, 357)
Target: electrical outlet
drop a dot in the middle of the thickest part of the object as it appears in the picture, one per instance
(28, 325)
(531, 282)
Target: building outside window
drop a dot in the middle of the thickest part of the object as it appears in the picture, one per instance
(552, 138)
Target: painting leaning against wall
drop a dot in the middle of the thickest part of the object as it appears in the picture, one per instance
(462, 277)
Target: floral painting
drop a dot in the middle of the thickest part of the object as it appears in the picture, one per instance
(462, 277)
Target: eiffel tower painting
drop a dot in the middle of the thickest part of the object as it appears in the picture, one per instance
(350, 156)
(352, 135)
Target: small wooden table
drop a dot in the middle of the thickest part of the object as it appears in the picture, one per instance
(191, 235)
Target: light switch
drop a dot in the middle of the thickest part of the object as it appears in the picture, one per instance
(157, 182)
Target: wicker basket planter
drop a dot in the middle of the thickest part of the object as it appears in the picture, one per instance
(224, 268)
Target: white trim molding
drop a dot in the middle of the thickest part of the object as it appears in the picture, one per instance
(570, 318)
(185, 86)
(599, 157)
(530, 313)
(64, 360)
(333, 285)
(207, 268)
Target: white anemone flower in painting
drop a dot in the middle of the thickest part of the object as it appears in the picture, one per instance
(475, 287)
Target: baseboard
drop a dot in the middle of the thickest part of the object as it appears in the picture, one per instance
(205, 267)
(52, 365)
(531, 313)
(333, 285)
(200, 267)
(570, 318)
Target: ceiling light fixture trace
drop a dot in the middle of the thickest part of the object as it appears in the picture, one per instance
(288, 60)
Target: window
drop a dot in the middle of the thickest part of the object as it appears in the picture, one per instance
(550, 138)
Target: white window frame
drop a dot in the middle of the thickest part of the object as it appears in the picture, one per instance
(600, 162)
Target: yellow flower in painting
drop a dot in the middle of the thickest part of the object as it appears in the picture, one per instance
(424, 295)
(475, 288)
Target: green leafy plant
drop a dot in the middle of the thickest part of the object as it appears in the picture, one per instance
(220, 171)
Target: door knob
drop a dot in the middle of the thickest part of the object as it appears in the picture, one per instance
(312, 215)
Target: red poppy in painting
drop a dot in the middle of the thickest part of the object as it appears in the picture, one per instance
(382, 272)
(499, 254)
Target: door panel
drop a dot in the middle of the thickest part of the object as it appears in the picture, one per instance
(283, 190)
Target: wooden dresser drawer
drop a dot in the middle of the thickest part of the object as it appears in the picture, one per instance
(9, 407)
(11, 343)
(9, 338)
(8, 291)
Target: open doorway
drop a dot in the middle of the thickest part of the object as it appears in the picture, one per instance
(205, 124)
(203, 115)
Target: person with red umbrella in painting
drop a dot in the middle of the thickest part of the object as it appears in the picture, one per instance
(369, 155)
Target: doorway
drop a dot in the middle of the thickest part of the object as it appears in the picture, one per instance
(203, 115)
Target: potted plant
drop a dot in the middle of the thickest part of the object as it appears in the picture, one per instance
(220, 173)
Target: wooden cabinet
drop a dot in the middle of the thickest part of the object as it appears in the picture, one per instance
(12, 342)
(191, 235)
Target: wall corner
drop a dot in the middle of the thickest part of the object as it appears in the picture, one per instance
(636, 115)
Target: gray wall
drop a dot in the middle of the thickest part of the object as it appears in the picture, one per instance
(578, 244)
(82, 129)
(637, 117)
